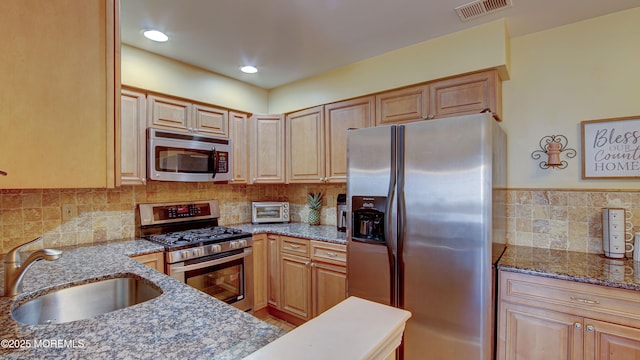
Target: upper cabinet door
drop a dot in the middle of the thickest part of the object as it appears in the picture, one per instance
(211, 120)
(133, 127)
(339, 118)
(59, 94)
(467, 94)
(266, 134)
(238, 130)
(169, 113)
(305, 147)
(403, 105)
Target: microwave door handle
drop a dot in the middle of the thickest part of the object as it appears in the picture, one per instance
(213, 158)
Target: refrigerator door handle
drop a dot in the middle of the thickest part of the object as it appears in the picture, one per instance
(402, 215)
(388, 211)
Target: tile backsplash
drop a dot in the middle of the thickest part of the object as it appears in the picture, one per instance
(558, 219)
(567, 220)
(99, 215)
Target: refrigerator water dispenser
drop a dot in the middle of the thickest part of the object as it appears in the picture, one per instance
(368, 218)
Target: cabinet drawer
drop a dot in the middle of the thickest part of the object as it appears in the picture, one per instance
(569, 296)
(327, 252)
(294, 246)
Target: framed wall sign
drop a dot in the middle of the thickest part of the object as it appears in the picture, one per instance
(611, 148)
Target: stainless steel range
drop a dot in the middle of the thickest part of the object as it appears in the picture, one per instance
(213, 259)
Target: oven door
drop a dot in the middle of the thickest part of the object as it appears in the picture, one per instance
(227, 276)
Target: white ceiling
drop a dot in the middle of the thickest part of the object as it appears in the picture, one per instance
(290, 40)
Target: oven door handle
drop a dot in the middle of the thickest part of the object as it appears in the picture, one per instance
(219, 261)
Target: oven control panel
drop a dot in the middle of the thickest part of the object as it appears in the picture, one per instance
(165, 213)
(183, 211)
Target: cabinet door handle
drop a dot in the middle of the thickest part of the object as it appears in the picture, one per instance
(590, 328)
(294, 247)
(307, 263)
(331, 254)
(585, 301)
(3, 173)
(578, 326)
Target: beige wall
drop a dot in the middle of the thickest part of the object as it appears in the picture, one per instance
(560, 77)
(148, 71)
(484, 46)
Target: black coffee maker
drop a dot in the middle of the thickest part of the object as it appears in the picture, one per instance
(368, 218)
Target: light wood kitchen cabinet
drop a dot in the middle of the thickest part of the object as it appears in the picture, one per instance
(545, 318)
(467, 94)
(296, 286)
(153, 260)
(317, 140)
(260, 272)
(133, 121)
(238, 131)
(313, 277)
(59, 94)
(329, 275)
(403, 105)
(169, 113)
(210, 120)
(295, 277)
(305, 145)
(535, 333)
(460, 95)
(266, 149)
(165, 112)
(338, 119)
(273, 270)
(607, 341)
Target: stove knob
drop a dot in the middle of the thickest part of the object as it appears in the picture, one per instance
(184, 254)
(215, 248)
(243, 242)
(233, 244)
(196, 252)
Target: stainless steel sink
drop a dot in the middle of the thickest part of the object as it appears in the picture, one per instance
(85, 301)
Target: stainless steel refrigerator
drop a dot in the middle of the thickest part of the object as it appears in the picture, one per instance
(426, 205)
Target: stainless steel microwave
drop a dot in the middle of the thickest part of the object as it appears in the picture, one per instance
(269, 212)
(175, 156)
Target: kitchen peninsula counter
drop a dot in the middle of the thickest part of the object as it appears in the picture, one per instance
(573, 266)
(180, 323)
(326, 233)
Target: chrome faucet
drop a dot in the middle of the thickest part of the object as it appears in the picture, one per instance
(14, 269)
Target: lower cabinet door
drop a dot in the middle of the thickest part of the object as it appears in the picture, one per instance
(296, 286)
(538, 334)
(607, 341)
(329, 286)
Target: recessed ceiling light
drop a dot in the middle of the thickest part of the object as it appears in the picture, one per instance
(249, 69)
(156, 35)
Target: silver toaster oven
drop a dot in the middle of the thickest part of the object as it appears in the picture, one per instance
(269, 212)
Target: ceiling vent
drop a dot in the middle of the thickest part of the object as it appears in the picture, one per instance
(479, 8)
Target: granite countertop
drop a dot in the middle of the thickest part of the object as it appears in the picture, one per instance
(574, 266)
(181, 323)
(327, 233)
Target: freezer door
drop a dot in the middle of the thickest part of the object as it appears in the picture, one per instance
(370, 175)
(446, 254)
